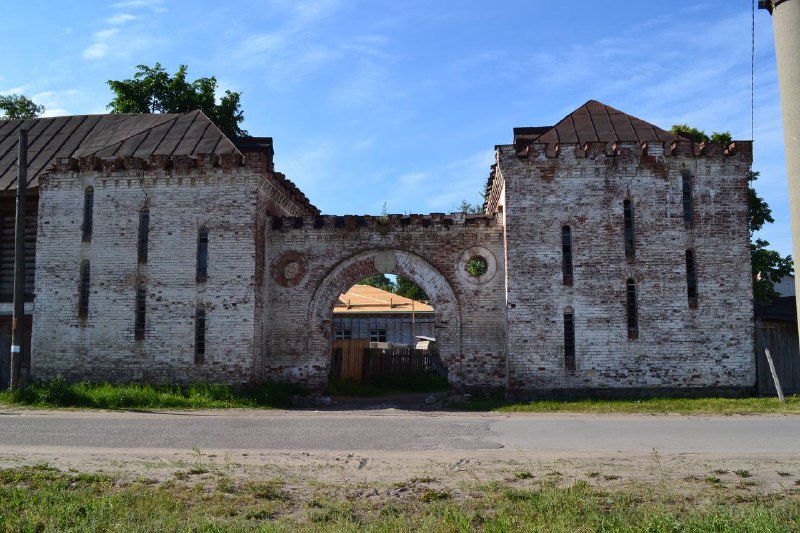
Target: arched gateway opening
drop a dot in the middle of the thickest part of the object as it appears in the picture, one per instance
(447, 318)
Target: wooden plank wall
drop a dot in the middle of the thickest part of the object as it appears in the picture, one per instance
(782, 341)
(352, 357)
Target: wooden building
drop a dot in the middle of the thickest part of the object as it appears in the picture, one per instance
(369, 313)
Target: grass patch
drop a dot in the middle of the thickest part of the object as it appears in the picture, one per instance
(387, 385)
(41, 498)
(59, 393)
(720, 406)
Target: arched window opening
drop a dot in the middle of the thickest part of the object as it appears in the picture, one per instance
(691, 279)
(88, 213)
(202, 255)
(566, 255)
(144, 235)
(85, 284)
(569, 339)
(632, 310)
(630, 249)
(686, 181)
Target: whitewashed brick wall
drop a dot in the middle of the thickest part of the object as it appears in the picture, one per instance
(678, 347)
(103, 347)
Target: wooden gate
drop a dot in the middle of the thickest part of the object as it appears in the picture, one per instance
(780, 338)
(347, 360)
(354, 359)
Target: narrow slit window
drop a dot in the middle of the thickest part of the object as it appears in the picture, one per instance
(85, 283)
(569, 340)
(691, 279)
(200, 336)
(88, 213)
(687, 199)
(633, 311)
(566, 254)
(630, 249)
(141, 310)
(144, 234)
(202, 255)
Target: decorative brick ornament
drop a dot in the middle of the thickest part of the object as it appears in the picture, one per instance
(289, 268)
(477, 256)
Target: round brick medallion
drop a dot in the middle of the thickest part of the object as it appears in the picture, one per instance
(476, 265)
(289, 268)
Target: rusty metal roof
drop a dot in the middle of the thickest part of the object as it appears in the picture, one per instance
(366, 299)
(594, 122)
(106, 136)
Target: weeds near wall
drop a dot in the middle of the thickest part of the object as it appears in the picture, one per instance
(59, 393)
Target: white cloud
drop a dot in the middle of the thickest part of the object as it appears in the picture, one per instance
(364, 84)
(104, 35)
(14, 90)
(122, 18)
(300, 45)
(364, 144)
(96, 51)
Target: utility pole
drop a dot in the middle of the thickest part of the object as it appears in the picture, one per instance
(786, 25)
(17, 322)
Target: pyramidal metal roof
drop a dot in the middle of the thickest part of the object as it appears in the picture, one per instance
(595, 122)
(106, 136)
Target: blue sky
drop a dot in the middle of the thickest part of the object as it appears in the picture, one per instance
(375, 101)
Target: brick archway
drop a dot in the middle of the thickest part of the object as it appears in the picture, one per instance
(352, 270)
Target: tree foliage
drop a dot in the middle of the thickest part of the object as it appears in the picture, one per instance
(470, 209)
(768, 266)
(409, 289)
(16, 106)
(403, 287)
(380, 281)
(153, 90)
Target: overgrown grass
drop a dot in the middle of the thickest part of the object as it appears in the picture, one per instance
(387, 385)
(723, 406)
(60, 393)
(40, 498)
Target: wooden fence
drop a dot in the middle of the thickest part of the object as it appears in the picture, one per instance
(780, 338)
(354, 359)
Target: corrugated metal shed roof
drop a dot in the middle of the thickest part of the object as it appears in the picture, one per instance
(366, 299)
(106, 136)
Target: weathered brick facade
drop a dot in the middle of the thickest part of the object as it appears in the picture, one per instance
(705, 341)
(276, 267)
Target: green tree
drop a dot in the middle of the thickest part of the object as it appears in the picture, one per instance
(403, 287)
(768, 266)
(153, 90)
(381, 281)
(470, 209)
(409, 289)
(16, 106)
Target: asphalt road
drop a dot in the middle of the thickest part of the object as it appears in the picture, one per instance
(392, 430)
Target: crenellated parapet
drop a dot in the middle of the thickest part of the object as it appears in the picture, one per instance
(678, 148)
(381, 224)
(177, 170)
